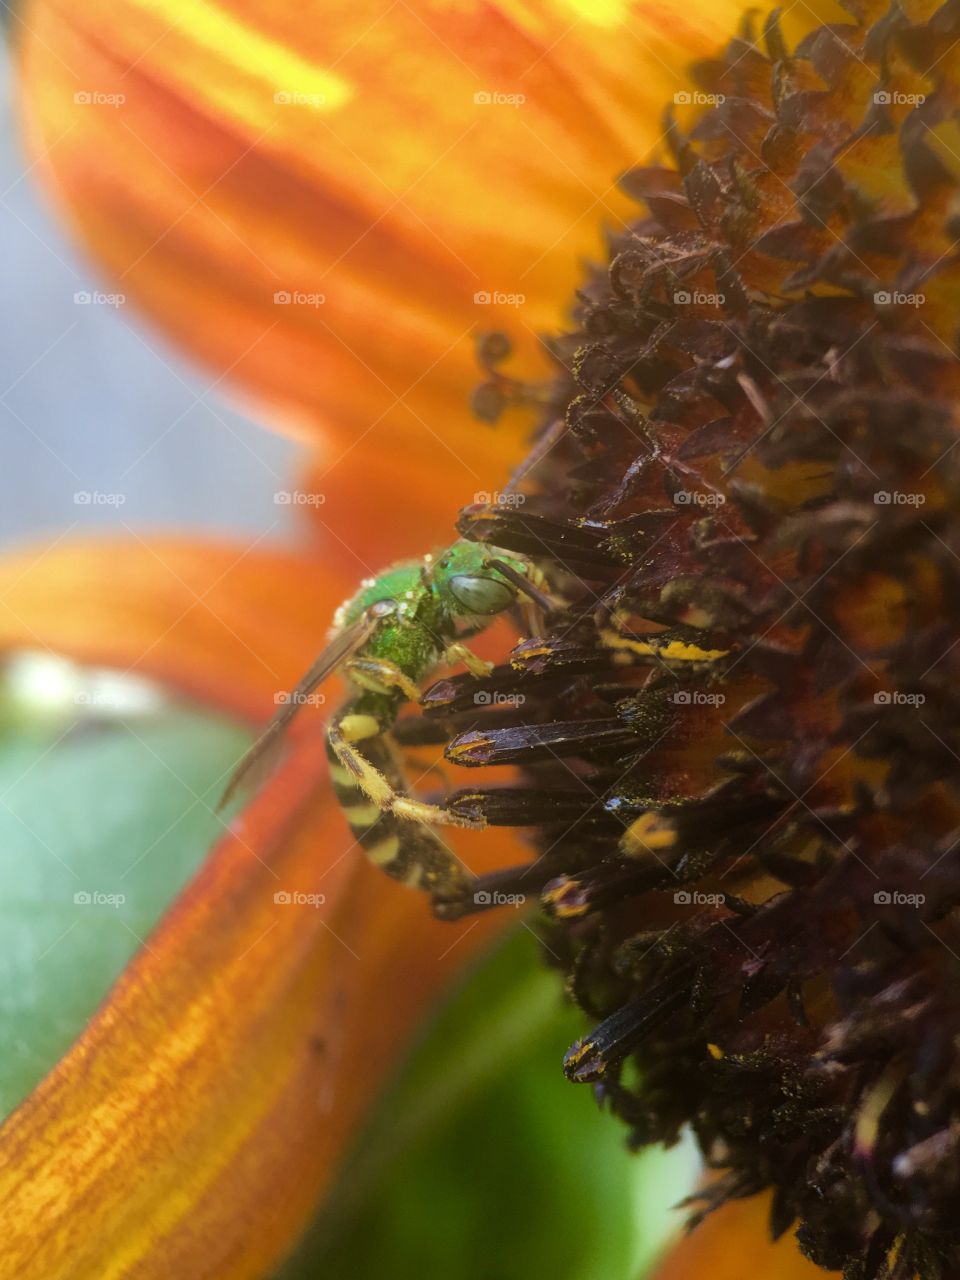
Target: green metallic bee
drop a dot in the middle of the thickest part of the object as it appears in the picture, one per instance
(386, 640)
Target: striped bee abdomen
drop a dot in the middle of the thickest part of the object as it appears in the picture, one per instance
(368, 781)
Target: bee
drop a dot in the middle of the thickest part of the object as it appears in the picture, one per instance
(385, 641)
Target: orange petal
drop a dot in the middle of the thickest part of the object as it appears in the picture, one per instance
(734, 1243)
(227, 626)
(383, 185)
(192, 1126)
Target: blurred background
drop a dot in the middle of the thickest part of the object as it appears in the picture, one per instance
(95, 404)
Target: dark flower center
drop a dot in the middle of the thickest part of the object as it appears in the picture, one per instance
(738, 734)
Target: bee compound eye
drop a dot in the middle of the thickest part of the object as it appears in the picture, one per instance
(479, 594)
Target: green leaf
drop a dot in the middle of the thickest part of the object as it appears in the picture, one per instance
(483, 1163)
(118, 811)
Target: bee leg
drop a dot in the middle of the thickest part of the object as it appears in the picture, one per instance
(457, 652)
(343, 734)
(381, 676)
(365, 784)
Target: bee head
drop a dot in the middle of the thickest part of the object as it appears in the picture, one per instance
(469, 585)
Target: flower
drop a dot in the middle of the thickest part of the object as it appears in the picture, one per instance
(319, 214)
(733, 1243)
(737, 728)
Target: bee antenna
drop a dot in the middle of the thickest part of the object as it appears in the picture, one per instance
(522, 584)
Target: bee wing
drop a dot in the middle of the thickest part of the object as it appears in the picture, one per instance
(259, 758)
